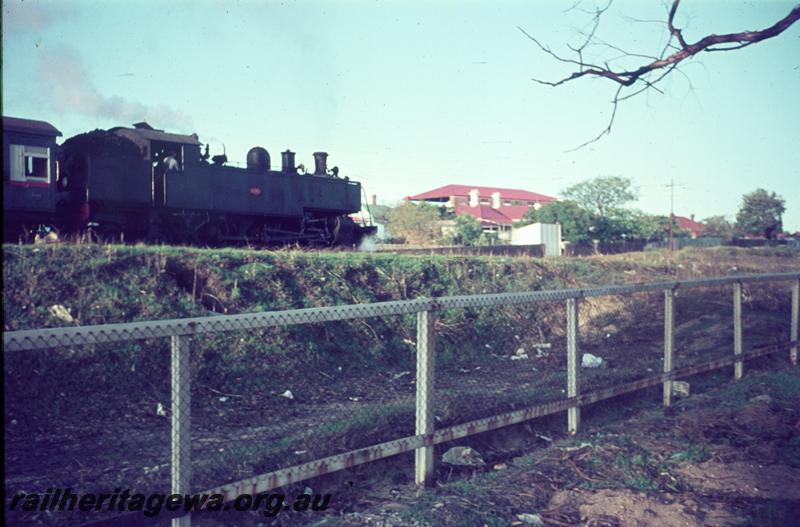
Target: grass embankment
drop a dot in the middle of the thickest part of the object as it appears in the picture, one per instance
(108, 283)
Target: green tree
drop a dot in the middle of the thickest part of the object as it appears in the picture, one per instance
(602, 196)
(636, 225)
(488, 238)
(416, 224)
(577, 224)
(719, 227)
(380, 213)
(467, 231)
(761, 213)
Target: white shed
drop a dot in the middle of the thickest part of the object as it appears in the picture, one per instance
(548, 234)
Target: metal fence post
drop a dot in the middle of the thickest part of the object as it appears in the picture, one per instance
(794, 324)
(669, 341)
(738, 366)
(181, 381)
(573, 412)
(423, 457)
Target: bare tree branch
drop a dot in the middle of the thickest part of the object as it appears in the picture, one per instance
(599, 42)
(676, 50)
(627, 78)
(740, 46)
(607, 130)
(671, 24)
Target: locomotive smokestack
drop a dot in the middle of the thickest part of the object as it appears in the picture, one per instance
(320, 163)
(258, 160)
(287, 162)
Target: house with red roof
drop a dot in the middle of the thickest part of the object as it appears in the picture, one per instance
(497, 209)
(694, 228)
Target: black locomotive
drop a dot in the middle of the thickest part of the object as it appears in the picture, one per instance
(142, 183)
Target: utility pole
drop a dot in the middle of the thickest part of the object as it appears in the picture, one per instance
(671, 209)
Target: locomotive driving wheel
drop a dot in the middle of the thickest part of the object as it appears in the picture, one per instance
(343, 231)
(215, 231)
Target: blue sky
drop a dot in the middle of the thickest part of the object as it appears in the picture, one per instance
(409, 95)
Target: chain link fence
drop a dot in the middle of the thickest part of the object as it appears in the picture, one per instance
(764, 308)
(277, 397)
(90, 418)
(621, 339)
(492, 360)
(248, 403)
(704, 324)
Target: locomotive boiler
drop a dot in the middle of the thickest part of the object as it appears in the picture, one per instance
(144, 183)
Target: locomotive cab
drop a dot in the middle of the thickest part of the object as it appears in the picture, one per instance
(30, 176)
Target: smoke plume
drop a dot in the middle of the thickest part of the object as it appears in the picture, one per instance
(20, 17)
(67, 85)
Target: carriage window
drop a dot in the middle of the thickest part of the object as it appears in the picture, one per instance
(29, 163)
(36, 167)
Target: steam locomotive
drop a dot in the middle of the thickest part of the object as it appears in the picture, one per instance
(143, 183)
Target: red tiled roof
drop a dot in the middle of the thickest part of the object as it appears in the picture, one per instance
(514, 212)
(483, 192)
(501, 216)
(689, 224)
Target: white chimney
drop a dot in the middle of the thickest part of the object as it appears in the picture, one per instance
(495, 200)
(474, 200)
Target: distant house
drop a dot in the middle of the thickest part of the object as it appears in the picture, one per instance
(497, 209)
(694, 228)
